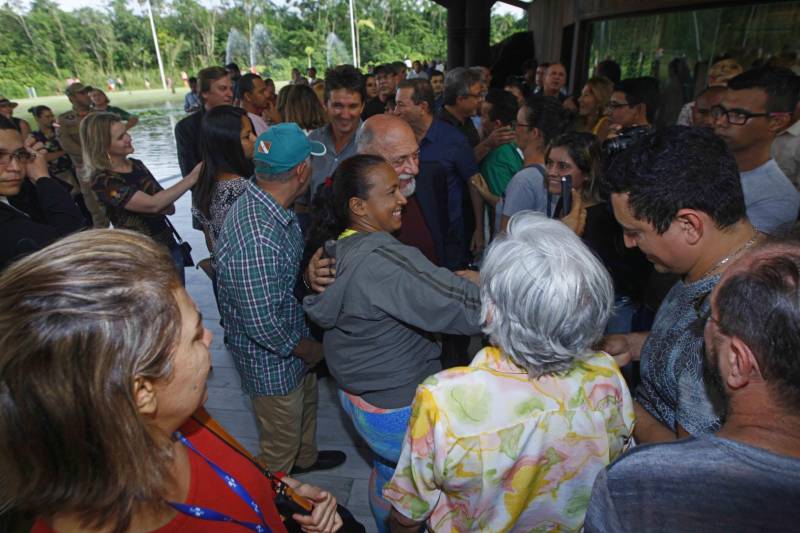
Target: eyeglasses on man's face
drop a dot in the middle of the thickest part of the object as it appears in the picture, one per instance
(21, 155)
(613, 106)
(738, 117)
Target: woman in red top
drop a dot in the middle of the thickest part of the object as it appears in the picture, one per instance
(103, 361)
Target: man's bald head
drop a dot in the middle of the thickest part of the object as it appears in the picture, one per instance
(380, 131)
(393, 139)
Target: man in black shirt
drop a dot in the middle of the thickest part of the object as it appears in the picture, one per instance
(32, 219)
(215, 89)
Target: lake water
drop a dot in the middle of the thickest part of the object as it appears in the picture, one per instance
(154, 137)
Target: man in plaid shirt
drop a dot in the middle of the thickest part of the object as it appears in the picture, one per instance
(258, 261)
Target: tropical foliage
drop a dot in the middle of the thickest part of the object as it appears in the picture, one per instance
(42, 45)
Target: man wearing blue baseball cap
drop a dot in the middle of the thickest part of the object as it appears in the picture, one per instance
(258, 261)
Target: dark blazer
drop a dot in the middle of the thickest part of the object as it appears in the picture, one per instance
(187, 139)
(41, 214)
(431, 193)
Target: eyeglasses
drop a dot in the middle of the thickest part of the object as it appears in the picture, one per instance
(738, 117)
(479, 96)
(514, 124)
(611, 106)
(21, 155)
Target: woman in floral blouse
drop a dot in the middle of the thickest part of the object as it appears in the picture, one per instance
(514, 441)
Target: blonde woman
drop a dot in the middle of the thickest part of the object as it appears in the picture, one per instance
(131, 195)
(592, 105)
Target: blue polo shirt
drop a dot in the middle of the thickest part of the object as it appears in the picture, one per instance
(446, 145)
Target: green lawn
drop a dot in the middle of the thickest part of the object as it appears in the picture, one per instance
(124, 99)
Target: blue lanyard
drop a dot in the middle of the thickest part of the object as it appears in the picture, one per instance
(209, 514)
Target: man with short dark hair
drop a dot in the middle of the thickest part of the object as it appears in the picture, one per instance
(312, 75)
(499, 166)
(32, 214)
(437, 83)
(191, 102)
(254, 99)
(756, 107)
(214, 90)
(746, 477)
(688, 218)
(258, 260)
(400, 70)
(610, 69)
(416, 71)
(344, 101)
(386, 78)
(236, 74)
(633, 103)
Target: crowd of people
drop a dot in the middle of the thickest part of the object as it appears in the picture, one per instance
(543, 310)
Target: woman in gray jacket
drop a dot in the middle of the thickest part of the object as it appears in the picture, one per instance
(380, 314)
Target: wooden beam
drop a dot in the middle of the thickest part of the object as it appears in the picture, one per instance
(516, 3)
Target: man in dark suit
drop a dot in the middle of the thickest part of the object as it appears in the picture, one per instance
(215, 89)
(425, 186)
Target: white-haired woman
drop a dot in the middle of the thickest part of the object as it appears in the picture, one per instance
(516, 440)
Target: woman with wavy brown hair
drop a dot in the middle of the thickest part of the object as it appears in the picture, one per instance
(592, 106)
(103, 365)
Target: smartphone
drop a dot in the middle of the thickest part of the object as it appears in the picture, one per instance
(566, 195)
(329, 249)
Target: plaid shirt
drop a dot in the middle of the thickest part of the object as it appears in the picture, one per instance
(258, 261)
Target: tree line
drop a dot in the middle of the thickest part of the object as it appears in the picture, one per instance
(42, 45)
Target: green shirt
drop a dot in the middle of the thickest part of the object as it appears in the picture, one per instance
(499, 166)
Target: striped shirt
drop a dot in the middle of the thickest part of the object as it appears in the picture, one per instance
(258, 261)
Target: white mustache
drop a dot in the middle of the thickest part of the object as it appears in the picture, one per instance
(408, 184)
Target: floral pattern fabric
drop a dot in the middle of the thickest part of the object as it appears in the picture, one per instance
(490, 449)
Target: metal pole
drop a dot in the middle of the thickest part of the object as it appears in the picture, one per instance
(155, 42)
(353, 34)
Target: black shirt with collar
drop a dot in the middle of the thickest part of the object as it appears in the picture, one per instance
(37, 216)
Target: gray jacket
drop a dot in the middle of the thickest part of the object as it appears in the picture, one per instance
(379, 313)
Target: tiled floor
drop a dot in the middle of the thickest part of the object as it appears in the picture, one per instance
(231, 408)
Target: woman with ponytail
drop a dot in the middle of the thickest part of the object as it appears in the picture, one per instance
(380, 313)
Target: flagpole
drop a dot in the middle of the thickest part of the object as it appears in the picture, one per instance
(155, 42)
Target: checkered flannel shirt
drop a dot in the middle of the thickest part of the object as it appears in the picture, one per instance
(258, 261)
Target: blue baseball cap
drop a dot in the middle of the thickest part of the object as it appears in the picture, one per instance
(283, 147)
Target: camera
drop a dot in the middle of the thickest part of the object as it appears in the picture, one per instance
(626, 138)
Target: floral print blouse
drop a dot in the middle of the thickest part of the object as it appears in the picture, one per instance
(490, 449)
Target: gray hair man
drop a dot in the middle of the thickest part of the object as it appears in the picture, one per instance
(258, 260)
(425, 214)
(464, 91)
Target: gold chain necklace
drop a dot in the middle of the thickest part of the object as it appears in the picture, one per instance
(725, 260)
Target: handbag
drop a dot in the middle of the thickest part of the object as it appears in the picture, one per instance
(183, 246)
